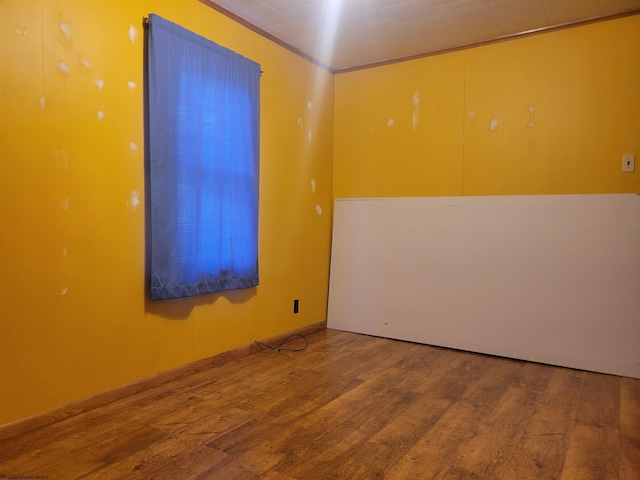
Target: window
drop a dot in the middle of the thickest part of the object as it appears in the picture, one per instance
(203, 121)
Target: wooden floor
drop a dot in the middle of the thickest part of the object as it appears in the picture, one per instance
(352, 407)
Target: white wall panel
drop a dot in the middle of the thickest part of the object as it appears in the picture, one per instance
(553, 279)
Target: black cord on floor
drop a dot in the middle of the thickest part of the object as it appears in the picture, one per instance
(277, 347)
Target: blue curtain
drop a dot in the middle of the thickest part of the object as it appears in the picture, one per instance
(204, 113)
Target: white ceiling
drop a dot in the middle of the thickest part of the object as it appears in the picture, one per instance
(343, 34)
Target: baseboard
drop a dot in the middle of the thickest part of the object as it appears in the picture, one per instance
(40, 420)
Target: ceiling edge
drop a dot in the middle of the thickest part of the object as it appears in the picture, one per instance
(503, 38)
(512, 36)
(267, 35)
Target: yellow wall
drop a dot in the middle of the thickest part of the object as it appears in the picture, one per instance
(75, 316)
(564, 107)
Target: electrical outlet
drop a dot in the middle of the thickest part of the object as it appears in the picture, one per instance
(628, 163)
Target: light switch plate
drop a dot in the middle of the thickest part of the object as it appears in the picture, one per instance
(628, 163)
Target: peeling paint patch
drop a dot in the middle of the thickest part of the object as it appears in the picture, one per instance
(62, 161)
(65, 30)
(494, 124)
(84, 63)
(309, 105)
(415, 113)
(133, 34)
(299, 122)
(390, 122)
(309, 136)
(318, 209)
(532, 120)
(101, 115)
(471, 114)
(131, 85)
(134, 201)
(98, 82)
(20, 30)
(313, 186)
(63, 67)
(133, 148)
(41, 101)
(64, 252)
(64, 291)
(64, 204)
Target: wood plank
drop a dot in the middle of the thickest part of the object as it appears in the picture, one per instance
(629, 429)
(327, 449)
(474, 394)
(493, 443)
(595, 434)
(592, 453)
(171, 457)
(542, 445)
(392, 441)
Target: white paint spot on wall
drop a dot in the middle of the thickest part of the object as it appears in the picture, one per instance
(309, 105)
(299, 122)
(390, 122)
(494, 124)
(133, 34)
(41, 101)
(415, 113)
(471, 114)
(20, 30)
(318, 209)
(532, 119)
(84, 63)
(62, 161)
(65, 30)
(102, 113)
(64, 291)
(98, 82)
(131, 85)
(313, 185)
(134, 201)
(133, 148)
(64, 204)
(63, 67)
(310, 136)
